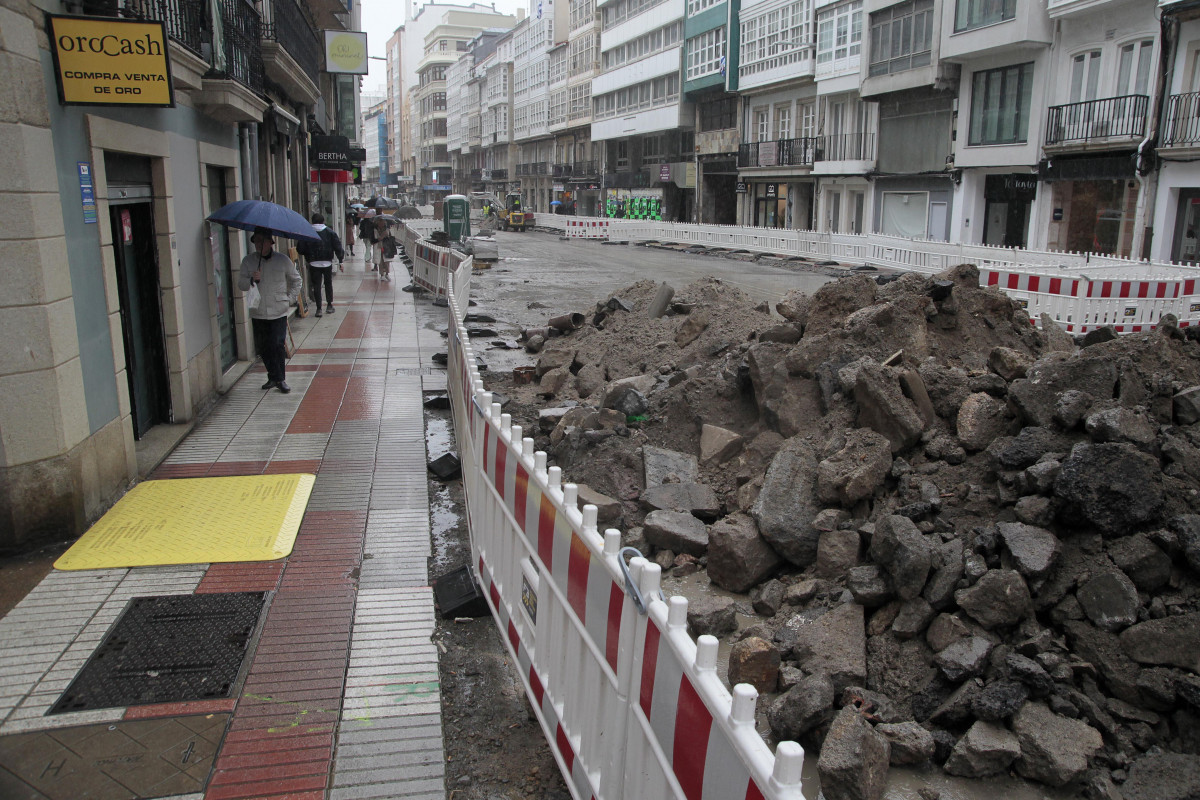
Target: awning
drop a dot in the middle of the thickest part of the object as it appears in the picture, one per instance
(286, 122)
(330, 176)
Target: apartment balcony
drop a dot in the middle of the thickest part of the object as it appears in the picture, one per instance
(291, 51)
(541, 168)
(1183, 122)
(1066, 8)
(499, 174)
(524, 169)
(846, 147)
(1113, 121)
(232, 89)
(563, 170)
(477, 175)
(586, 169)
(778, 153)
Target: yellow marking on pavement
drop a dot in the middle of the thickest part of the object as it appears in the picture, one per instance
(196, 521)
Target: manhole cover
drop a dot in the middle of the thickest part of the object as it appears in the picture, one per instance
(167, 649)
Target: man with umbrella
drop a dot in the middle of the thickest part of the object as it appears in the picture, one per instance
(279, 285)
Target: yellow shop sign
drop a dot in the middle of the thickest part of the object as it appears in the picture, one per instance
(102, 61)
(346, 52)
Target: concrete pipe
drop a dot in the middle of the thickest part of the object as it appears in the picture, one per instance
(567, 322)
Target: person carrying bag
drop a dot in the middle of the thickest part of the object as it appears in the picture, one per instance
(320, 256)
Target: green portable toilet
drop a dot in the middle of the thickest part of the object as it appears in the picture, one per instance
(456, 217)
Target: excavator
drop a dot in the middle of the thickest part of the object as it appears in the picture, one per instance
(513, 215)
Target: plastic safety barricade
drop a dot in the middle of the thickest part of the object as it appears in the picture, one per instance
(630, 705)
(586, 228)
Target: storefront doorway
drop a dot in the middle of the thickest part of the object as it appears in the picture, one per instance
(222, 270)
(1006, 217)
(132, 223)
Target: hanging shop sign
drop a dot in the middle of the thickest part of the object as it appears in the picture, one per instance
(741, 187)
(329, 152)
(346, 52)
(111, 62)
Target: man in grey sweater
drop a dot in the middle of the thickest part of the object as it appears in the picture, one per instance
(278, 285)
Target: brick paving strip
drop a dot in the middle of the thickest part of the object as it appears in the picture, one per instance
(341, 699)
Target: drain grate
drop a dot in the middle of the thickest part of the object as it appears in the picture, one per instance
(166, 650)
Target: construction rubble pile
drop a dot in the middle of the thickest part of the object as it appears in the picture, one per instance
(969, 542)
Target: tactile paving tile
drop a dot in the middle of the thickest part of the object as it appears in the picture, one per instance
(195, 521)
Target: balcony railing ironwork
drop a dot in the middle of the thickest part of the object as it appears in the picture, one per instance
(563, 170)
(1183, 120)
(476, 174)
(846, 147)
(292, 27)
(184, 19)
(236, 52)
(589, 168)
(499, 174)
(541, 168)
(1121, 117)
(524, 169)
(778, 153)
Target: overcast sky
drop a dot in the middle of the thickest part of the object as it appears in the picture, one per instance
(380, 18)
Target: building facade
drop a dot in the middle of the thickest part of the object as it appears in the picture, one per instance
(123, 318)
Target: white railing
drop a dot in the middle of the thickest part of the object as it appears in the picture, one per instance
(630, 705)
(1130, 295)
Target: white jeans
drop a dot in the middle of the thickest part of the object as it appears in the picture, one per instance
(368, 251)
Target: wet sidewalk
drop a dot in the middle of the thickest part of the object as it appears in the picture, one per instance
(341, 696)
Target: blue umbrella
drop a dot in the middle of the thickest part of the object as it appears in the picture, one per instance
(250, 214)
(556, 202)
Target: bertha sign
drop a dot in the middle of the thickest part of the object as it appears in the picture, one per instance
(330, 152)
(102, 61)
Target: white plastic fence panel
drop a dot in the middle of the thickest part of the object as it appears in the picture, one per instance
(556, 592)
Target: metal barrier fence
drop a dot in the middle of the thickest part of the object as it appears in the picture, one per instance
(1131, 295)
(630, 705)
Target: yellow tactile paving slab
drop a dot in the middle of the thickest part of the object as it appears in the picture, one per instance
(196, 521)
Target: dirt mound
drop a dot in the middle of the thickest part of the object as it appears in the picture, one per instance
(1013, 516)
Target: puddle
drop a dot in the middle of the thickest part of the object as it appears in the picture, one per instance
(445, 500)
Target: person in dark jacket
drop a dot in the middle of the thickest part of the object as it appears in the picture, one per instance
(320, 261)
(366, 233)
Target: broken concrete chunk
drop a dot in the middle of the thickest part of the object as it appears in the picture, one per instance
(755, 661)
(854, 759)
(1033, 550)
(738, 558)
(677, 531)
(662, 299)
(1114, 487)
(985, 749)
(904, 551)
(692, 498)
(668, 466)
(1185, 406)
(884, 408)
(1054, 750)
(1172, 641)
(786, 506)
(608, 509)
(856, 470)
(714, 616)
(981, 420)
(837, 552)
(1000, 598)
(1110, 601)
(718, 445)
(835, 644)
(805, 707)
(965, 658)
(911, 744)
(555, 358)
(690, 329)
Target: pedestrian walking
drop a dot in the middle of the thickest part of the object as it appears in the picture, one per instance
(366, 233)
(385, 249)
(351, 229)
(278, 284)
(320, 256)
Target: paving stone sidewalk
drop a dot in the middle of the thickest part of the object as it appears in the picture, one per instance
(341, 699)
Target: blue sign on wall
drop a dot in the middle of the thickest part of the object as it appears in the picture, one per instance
(87, 193)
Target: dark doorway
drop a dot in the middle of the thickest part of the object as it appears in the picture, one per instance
(1006, 216)
(720, 199)
(1097, 216)
(222, 269)
(141, 313)
(1184, 247)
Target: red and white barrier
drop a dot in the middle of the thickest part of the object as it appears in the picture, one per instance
(630, 705)
(586, 228)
